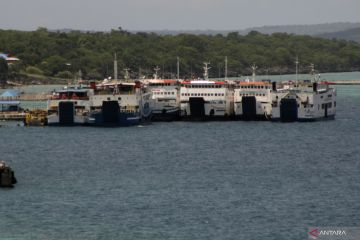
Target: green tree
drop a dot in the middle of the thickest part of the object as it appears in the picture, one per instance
(4, 68)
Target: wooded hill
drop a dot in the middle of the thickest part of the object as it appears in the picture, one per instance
(61, 54)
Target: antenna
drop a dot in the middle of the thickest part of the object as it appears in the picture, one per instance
(156, 69)
(206, 70)
(253, 67)
(127, 75)
(226, 62)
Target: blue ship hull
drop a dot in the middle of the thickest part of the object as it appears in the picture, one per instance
(123, 119)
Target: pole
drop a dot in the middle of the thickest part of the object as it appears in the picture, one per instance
(226, 70)
(178, 68)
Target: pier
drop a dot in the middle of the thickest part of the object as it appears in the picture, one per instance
(12, 116)
(343, 82)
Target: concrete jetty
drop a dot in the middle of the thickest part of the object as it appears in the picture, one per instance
(342, 82)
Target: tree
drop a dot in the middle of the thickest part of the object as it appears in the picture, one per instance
(4, 69)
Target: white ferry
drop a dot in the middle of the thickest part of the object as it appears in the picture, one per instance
(252, 100)
(205, 99)
(69, 106)
(119, 103)
(303, 101)
(165, 97)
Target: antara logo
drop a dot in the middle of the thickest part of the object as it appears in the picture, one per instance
(316, 233)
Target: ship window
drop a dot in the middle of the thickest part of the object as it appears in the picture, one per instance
(119, 98)
(108, 99)
(215, 94)
(334, 104)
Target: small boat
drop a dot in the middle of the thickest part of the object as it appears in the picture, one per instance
(37, 117)
(7, 176)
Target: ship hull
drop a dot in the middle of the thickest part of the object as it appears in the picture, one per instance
(123, 119)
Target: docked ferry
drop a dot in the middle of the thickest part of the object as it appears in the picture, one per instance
(69, 106)
(252, 100)
(206, 99)
(119, 103)
(303, 101)
(165, 99)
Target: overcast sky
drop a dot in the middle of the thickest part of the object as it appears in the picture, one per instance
(172, 15)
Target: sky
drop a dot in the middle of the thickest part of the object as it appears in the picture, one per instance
(147, 15)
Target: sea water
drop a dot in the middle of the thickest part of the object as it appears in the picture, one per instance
(184, 180)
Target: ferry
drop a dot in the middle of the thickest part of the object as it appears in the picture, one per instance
(252, 99)
(303, 101)
(165, 96)
(206, 99)
(119, 103)
(68, 106)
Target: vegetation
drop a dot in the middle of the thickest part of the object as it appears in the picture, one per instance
(64, 54)
(4, 69)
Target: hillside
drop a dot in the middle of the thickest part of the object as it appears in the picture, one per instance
(312, 29)
(62, 55)
(351, 35)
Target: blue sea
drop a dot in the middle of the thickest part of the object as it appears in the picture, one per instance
(184, 180)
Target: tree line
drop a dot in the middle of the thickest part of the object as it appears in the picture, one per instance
(60, 54)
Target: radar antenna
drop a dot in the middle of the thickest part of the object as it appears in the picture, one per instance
(253, 68)
(156, 69)
(206, 70)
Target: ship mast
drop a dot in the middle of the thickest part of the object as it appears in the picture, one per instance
(312, 72)
(296, 70)
(226, 69)
(178, 67)
(115, 68)
(206, 70)
(253, 67)
(116, 87)
(127, 75)
(156, 69)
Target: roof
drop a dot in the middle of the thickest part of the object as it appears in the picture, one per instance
(254, 83)
(10, 93)
(9, 102)
(203, 82)
(7, 58)
(162, 81)
(71, 90)
(3, 55)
